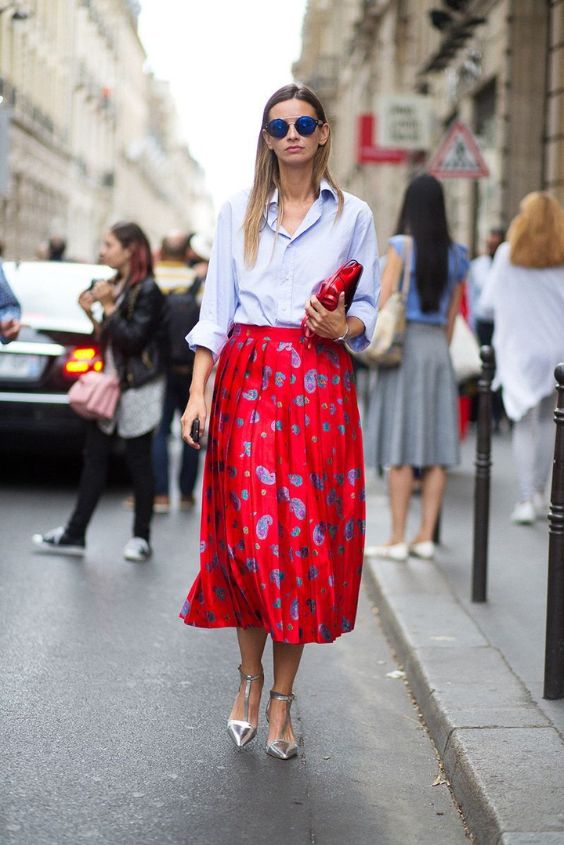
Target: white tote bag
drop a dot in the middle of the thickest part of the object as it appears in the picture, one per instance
(464, 351)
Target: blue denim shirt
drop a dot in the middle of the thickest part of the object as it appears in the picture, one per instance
(274, 291)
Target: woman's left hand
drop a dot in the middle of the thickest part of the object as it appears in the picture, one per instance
(103, 292)
(328, 324)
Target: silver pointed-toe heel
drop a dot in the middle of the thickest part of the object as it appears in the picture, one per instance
(280, 748)
(241, 731)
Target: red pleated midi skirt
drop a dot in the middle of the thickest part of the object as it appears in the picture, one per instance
(283, 504)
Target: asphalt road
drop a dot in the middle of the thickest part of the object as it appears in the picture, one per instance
(112, 712)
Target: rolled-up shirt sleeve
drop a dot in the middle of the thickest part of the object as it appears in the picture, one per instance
(220, 294)
(364, 249)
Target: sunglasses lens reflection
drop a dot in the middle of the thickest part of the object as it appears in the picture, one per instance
(306, 125)
(278, 128)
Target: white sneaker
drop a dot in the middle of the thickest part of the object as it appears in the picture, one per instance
(396, 551)
(424, 550)
(137, 549)
(524, 513)
(540, 505)
(57, 541)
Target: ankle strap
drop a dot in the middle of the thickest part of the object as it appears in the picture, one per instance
(251, 677)
(279, 696)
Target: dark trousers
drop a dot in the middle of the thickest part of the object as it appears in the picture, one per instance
(175, 399)
(94, 473)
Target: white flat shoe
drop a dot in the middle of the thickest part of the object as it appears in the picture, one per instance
(396, 551)
(424, 550)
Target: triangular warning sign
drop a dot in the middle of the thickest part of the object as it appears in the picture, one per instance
(458, 156)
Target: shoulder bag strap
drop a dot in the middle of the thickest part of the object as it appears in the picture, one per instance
(403, 287)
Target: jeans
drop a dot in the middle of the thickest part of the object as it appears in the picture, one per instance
(176, 396)
(97, 452)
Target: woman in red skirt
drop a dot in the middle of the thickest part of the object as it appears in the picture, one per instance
(282, 531)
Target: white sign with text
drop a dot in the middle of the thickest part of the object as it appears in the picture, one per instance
(404, 121)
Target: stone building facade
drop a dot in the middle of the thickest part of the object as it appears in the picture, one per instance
(497, 65)
(92, 135)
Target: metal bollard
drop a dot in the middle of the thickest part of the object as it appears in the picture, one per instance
(482, 478)
(554, 653)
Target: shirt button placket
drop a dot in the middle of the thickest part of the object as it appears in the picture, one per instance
(286, 288)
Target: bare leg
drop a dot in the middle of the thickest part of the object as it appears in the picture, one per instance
(286, 660)
(251, 646)
(434, 483)
(400, 483)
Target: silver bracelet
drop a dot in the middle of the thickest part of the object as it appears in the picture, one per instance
(344, 336)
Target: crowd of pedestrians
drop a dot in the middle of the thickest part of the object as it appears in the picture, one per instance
(282, 524)
(515, 296)
(515, 299)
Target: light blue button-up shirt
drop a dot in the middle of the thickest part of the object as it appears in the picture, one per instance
(274, 291)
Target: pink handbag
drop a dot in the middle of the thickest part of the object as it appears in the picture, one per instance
(95, 396)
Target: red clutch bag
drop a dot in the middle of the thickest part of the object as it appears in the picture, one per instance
(344, 280)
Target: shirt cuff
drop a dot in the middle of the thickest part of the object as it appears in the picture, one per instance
(367, 313)
(209, 335)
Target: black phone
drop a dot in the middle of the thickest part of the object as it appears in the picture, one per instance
(195, 431)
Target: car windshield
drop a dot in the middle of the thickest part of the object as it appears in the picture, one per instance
(48, 292)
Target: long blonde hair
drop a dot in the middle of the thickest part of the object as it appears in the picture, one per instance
(536, 235)
(267, 173)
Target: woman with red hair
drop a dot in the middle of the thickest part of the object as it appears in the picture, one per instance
(130, 333)
(525, 291)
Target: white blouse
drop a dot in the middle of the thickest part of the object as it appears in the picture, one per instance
(528, 309)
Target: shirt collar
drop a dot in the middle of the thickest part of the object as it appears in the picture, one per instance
(325, 190)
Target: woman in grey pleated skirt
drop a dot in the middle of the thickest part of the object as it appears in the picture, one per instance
(413, 415)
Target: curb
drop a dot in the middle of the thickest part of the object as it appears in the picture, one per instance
(503, 758)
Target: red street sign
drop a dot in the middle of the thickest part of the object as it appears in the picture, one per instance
(368, 152)
(458, 155)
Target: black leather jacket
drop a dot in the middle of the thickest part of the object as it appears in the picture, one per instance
(137, 333)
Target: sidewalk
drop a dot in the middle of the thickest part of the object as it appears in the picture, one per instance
(477, 670)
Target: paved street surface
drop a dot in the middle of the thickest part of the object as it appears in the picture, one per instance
(477, 669)
(112, 713)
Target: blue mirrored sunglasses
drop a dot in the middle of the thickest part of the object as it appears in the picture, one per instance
(305, 125)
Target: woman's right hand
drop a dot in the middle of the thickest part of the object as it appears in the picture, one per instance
(195, 409)
(86, 300)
